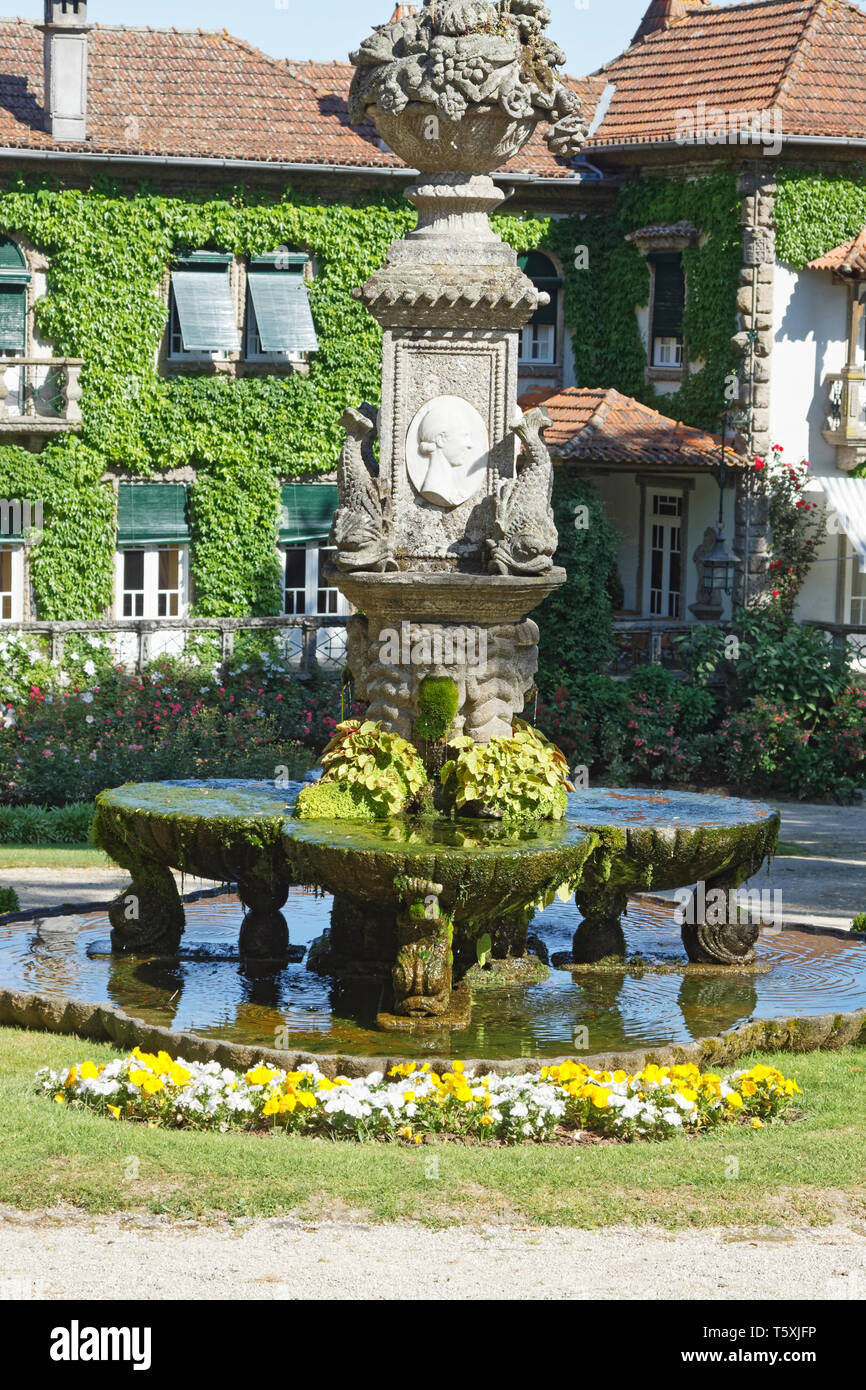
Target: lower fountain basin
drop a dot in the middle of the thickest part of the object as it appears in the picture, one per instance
(210, 991)
(417, 903)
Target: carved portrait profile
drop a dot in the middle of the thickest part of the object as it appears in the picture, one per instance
(446, 451)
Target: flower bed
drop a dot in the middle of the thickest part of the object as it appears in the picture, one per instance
(62, 743)
(414, 1101)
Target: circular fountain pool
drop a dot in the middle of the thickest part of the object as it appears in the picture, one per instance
(209, 990)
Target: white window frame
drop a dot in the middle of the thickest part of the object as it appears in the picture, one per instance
(668, 524)
(661, 347)
(854, 580)
(15, 595)
(529, 341)
(314, 551)
(151, 583)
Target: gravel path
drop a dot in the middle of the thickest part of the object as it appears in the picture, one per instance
(61, 1254)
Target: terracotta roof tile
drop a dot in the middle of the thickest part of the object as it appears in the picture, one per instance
(805, 57)
(848, 259)
(605, 426)
(195, 93)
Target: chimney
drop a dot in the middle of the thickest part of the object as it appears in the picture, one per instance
(664, 14)
(65, 44)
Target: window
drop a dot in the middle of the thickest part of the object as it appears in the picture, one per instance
(295, 580)
(538, 340)
(152, 539)
(14, 279)
(308, 592)
(279, 323)
(6, 591)
(133, 584)
(668, 300)
(858, 595)
(152, 583)
(666, 555)
(202, 317)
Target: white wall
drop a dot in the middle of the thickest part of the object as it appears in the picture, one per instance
(810, 327)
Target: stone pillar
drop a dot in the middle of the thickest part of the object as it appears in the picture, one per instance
(755, 342)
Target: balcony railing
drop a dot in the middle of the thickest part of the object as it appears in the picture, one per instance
(40, 395)
(305, 642)
(851, 634)
(647, 641)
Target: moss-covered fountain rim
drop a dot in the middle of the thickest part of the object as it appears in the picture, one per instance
(620, 808)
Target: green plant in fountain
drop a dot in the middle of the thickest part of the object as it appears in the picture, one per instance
(369, 773)
(438, 702)
(519, 778)
(8, 901)
(859, 924)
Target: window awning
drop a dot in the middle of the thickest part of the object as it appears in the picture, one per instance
(847, 497)
(151, 514)
(205, 310)
(282, 307)
(307, 512)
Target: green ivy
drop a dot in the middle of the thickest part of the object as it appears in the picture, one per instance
(108, 254)
(600, 301)
(817, 211)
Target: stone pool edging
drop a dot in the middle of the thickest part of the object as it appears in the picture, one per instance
(106, 1024)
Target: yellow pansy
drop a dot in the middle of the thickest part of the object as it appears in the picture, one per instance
(115, 1111)
(89, 1071)
(261, 1075)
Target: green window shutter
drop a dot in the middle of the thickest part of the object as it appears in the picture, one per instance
(13, 318)
(282, 311)
(205, 310)
(307, 512)
(151, 514)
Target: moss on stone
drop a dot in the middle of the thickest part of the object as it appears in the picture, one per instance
(334, 801)
(438, 703)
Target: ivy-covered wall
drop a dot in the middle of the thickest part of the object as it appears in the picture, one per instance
(816, 211)
(108, 252)
(600, 301)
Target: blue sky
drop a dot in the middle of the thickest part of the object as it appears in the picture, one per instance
(591, 31)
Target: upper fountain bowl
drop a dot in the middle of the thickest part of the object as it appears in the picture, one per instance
(461, 86)
(482, 140)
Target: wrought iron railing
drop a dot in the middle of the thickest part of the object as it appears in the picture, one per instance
(851, 634)
(647, 641)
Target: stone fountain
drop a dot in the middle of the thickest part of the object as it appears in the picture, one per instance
(445, 544)
(447, 532)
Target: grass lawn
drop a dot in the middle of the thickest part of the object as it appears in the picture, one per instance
(51, 857)
(811, 1171)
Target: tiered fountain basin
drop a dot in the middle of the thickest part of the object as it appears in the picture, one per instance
(427, 897)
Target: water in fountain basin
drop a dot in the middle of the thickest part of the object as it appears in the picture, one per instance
(208, 990)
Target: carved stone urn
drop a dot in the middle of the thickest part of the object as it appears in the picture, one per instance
(450, 533)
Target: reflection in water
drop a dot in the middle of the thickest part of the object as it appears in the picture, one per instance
(712, 1004)
(211, 989)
